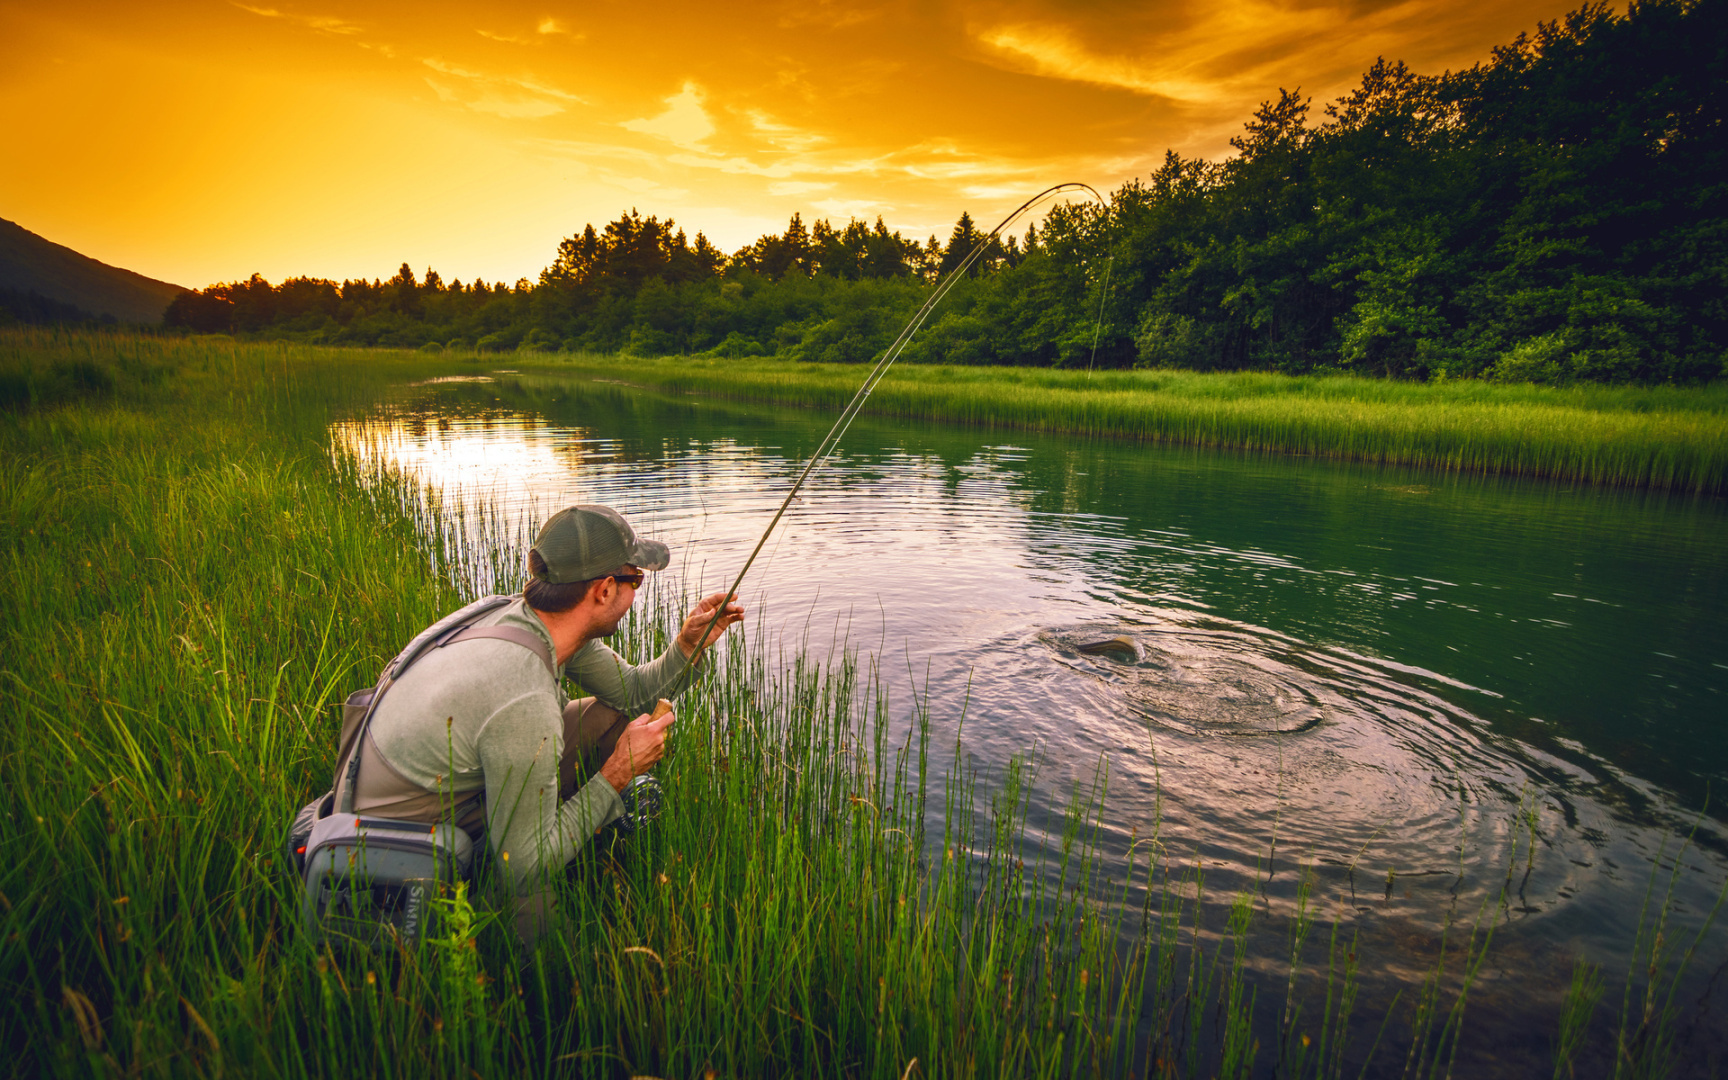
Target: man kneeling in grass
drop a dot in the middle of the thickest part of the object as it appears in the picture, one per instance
(482, 733)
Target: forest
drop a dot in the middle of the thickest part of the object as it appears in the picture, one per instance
(1555, 214)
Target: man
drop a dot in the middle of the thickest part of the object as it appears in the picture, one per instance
(483, 732)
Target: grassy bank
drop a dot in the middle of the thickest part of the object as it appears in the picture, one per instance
(193, 581)
(1669, 437)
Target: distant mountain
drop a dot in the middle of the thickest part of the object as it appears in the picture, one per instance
(31, 264)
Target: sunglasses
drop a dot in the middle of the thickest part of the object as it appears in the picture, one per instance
(633, 580)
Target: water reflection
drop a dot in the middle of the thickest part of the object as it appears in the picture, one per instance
(1419, 687)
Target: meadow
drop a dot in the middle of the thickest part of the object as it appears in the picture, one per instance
(194, 580)
(1660, 436)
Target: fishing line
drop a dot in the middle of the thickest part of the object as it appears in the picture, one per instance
(1102, 296)
(856, 405)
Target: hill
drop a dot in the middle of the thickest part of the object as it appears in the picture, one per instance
(32, 264)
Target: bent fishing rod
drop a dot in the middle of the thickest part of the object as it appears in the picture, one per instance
(856, 405)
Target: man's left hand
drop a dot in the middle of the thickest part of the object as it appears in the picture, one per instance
(691, 638)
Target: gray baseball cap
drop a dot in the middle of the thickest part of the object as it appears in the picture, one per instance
(580, 543)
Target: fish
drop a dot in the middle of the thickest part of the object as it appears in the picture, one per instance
(1121, 648)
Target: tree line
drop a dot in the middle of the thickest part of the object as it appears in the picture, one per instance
(1556, 213)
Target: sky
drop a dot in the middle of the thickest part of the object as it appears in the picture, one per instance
(199, 141)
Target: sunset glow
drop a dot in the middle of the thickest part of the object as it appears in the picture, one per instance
(203, 141)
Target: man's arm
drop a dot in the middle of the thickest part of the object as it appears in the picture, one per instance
(630, 688)
(530, 831)
(633, 688)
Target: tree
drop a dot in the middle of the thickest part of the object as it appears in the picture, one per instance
(961, 243)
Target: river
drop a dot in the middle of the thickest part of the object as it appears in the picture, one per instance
(1443, 697)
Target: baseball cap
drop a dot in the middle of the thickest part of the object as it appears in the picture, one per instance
(580, 543)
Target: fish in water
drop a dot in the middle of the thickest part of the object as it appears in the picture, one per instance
(1121, 648)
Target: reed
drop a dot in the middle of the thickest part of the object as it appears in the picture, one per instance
(1650, 1023)
(1664, 436)
(1582, 996)
(194, 579)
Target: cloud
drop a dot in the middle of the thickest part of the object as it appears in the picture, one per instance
(535, 86)
(798, 187)
(546, 27)
(330, 24)
(738, 166)
(942, 159)
(805, 168)
(782, 136)
(826, 14)
(1222, 54)
(327, 24)
(684, 123)
(518, 97)
(1053, 52)
(487, 101)
(995, 192)
(850, 208)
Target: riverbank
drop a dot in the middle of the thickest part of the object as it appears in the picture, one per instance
(194, 580)
(1663, 437)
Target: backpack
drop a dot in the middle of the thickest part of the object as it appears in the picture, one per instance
(369, 879)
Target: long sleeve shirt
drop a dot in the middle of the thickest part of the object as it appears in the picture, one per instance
(483, 718)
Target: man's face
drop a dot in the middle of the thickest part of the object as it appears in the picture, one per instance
(623, 595)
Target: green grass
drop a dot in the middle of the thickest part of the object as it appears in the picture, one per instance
(193, 584)
(1669, 437)
(193, 581)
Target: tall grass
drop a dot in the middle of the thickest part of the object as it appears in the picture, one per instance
(1668, 437)
(187, 599)
(193, 580)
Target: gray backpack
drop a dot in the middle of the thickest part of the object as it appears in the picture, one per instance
(369, 879)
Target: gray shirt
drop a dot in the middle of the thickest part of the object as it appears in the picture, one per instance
(484, 717)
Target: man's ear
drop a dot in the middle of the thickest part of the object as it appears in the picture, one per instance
(597, 591)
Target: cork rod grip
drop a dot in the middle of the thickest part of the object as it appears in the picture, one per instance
(661, 708)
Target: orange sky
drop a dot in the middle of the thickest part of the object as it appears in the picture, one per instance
(204, 140)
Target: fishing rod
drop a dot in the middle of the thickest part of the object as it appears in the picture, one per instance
(856, 405)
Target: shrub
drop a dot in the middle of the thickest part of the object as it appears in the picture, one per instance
(1534, 360)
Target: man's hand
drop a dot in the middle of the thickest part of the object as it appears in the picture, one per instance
(690, 638)
(642, 743)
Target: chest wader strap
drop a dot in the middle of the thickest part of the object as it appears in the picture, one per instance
(448, 630)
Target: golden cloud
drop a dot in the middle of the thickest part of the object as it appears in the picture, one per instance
(512, 97)
(685, 122)
(328, 24)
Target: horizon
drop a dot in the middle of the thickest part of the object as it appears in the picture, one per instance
(203, 142)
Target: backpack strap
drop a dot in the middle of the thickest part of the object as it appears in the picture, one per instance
(452, 627)
(513, 634)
